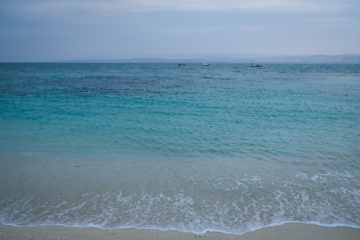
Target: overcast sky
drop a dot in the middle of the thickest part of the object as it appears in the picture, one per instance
(46, 30)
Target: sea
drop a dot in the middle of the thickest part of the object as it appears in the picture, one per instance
(227, 147)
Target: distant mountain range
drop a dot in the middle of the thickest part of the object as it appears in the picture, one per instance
(345, 59)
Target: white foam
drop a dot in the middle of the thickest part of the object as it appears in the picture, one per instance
(231, 205)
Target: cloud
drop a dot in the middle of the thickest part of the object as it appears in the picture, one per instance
(55, 29)
(225, 5)
(277, 6)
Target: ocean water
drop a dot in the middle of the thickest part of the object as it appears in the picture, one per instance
(225, 148)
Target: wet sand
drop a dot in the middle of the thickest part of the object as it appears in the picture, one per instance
(289, 231)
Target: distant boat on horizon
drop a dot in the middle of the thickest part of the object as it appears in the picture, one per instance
(255, 65)
(206, 64)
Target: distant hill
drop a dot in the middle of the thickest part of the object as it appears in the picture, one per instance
(346, 58)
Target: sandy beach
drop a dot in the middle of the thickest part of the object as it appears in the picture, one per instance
(289, 231)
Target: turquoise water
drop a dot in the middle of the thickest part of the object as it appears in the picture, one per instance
(225, 148)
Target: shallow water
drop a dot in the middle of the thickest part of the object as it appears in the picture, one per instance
(225, 148)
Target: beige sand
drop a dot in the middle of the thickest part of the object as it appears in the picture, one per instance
(290, 231)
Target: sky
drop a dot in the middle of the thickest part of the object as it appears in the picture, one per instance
(60, 30)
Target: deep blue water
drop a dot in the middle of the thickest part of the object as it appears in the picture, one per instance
(224, 148)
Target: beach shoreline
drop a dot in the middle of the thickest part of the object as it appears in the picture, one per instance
(290, 231)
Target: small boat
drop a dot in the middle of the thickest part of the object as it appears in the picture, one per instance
(255, 65)
(206, 64)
